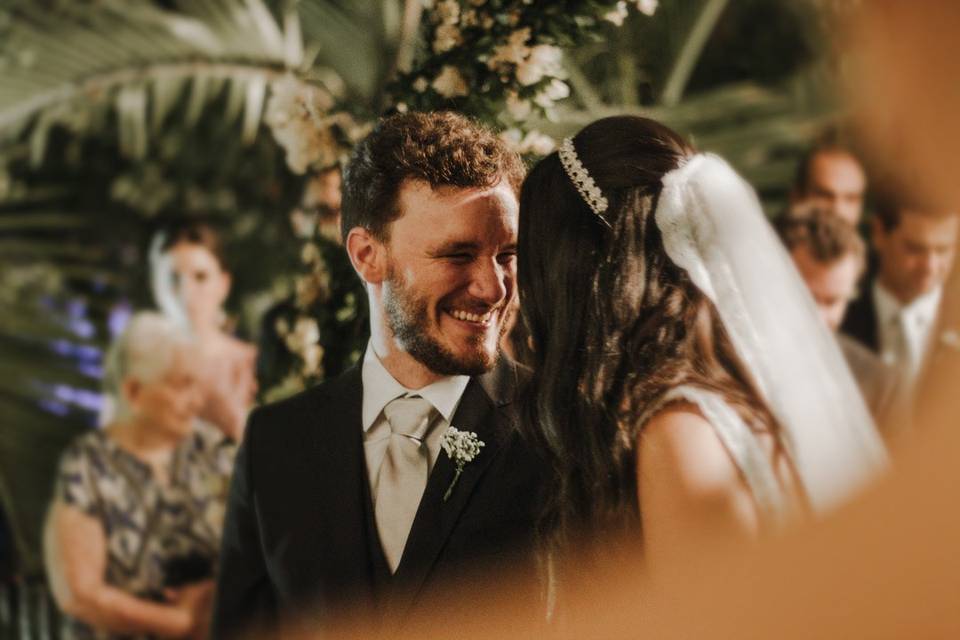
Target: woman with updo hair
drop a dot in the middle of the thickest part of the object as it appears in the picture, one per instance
(191, 283)
(682, 385)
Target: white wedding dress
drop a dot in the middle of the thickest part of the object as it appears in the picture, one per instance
(749, 455)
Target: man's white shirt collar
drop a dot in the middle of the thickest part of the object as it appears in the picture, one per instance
(379, 388)
(923, 309)
(912, 323)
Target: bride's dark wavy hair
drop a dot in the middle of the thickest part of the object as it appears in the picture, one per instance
(614, 323)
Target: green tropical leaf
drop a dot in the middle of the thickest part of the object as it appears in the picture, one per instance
(166, 93)
(134, 51)
(24, 222)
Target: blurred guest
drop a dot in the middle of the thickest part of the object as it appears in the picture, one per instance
(896, 314)
(830, 256)
(190, 284)
(831, 177)
(134, 528)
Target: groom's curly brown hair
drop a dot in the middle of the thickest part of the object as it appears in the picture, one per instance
(441, 148)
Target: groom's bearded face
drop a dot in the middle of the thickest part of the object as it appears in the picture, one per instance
(451, 275)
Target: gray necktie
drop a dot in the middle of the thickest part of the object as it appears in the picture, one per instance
(904, 365)
(903, 351)
(403, 473)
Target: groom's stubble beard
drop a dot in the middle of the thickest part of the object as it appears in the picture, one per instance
(408, 318)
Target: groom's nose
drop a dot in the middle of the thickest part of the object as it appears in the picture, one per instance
(491, 281)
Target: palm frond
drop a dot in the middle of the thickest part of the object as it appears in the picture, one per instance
(359, 40)
(686, 58)
(140, 59)
(39, 220)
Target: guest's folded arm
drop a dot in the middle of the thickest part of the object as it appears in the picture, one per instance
(75, 550)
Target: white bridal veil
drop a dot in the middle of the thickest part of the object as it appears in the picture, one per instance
(714, 228)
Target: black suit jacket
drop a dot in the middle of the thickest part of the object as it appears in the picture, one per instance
(860, 323)
(300, 539)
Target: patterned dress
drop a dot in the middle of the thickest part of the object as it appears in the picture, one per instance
(157, 536)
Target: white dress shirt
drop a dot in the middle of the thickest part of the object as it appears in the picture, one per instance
(379, 388)
(917, 320)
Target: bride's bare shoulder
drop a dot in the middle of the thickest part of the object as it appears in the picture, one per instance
(679, 442)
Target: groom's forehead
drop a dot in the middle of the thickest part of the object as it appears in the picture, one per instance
(418, 200)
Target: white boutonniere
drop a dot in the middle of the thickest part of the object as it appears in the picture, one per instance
(461, 447)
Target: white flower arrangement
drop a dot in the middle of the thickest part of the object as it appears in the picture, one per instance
(518, 108)
(421, 84)
(647, 7)
(618, 14)
(300, 119)
(556, 90)
(533, 142)
(544, 61)
(501, 62)
(448, 11)
(448, 36)
(461, 447)
(450, 84)
(513, 51)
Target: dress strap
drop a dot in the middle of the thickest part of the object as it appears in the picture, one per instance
(743, 446)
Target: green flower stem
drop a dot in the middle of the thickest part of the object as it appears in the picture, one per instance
(453, 483)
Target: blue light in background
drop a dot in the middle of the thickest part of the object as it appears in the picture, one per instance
(118, 318)
(91, 370)
(81, 327)
(54, 407)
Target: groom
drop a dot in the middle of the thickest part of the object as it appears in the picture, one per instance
(345, 497)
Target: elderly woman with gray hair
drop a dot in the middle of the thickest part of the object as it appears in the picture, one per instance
(134, 528)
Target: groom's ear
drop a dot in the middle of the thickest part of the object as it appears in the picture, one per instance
(367, 254)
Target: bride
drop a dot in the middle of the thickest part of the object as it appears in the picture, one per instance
(683, 388)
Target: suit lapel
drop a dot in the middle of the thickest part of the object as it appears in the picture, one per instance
(340, 487)
(478, 411)
(861, 321)
(871, 329)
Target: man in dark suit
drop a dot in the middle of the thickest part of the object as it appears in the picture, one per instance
(897, 314)
(914, 251)
(382, 490)
(830, 256)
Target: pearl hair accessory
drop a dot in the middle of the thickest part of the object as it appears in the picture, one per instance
(581, 179)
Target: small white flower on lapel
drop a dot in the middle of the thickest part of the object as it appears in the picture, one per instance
(461, 447)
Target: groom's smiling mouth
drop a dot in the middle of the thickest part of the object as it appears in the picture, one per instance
(476, 319)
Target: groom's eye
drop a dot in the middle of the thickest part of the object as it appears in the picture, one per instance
(506, 257)
(459, 257)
